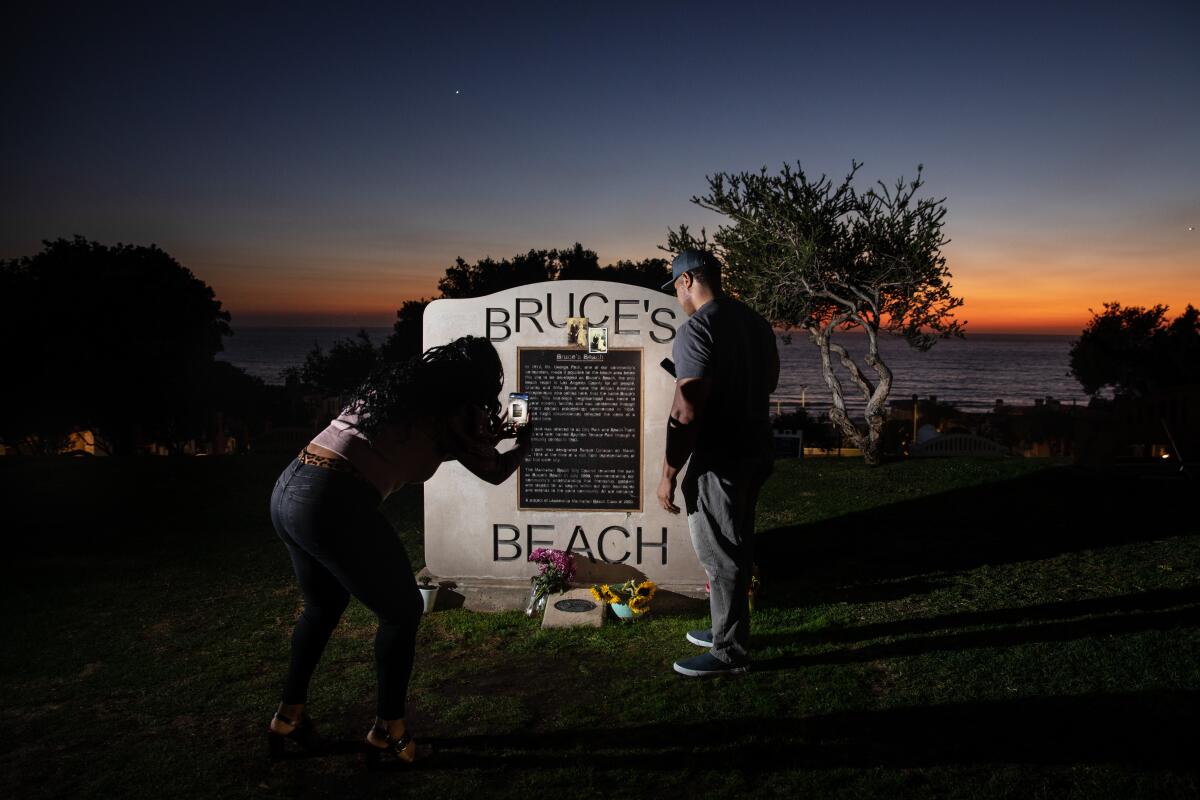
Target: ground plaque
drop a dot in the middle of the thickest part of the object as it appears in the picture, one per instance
(574, 610)
(575, 606)
(588, 354)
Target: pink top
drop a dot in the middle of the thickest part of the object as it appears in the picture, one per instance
(377, 461)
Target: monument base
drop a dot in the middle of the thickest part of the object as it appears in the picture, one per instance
(496, 594)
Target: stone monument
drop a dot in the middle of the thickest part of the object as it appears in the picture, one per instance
(589, 356)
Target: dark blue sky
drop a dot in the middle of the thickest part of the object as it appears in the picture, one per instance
(318, 165)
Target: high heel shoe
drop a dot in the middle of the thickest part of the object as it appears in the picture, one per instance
(303, 733)
(396, 745)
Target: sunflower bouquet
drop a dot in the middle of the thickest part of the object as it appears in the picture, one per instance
(629, 599)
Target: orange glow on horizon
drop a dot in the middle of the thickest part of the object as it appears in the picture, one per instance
(982, 314)
(1051, 297)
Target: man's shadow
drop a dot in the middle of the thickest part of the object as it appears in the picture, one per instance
(898, 549)
(1162, 610)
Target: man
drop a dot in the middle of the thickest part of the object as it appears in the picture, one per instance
(726, 366)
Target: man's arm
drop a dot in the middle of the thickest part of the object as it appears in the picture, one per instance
(687, 408)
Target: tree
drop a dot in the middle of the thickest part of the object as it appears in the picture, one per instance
(120, 340)
(819, 258)
(487, 275)
(405, 340)
(650, 273)
(1136, 353)
(575, 264)
(347, 364)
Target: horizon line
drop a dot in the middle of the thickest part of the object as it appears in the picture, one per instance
(346, 322)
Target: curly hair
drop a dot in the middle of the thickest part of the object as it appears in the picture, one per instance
(436, 383)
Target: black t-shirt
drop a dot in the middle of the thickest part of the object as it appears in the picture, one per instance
(732, 345)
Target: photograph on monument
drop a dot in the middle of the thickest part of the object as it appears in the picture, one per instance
(597, 339)
(577, 328)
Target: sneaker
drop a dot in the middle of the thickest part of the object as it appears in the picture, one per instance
(700, 638)
(703, 666)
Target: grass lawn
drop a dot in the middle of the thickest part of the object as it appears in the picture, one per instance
(939, 628)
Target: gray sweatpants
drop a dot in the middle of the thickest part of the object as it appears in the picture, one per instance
(720, 499)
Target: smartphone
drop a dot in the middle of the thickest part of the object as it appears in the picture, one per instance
(668, 365)
(518, 408)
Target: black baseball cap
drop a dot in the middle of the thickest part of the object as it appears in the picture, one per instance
(693, 261)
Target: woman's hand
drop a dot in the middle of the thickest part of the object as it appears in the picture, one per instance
(503, 429)
(523, 435)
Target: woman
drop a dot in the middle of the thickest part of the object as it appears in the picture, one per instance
(407, 420)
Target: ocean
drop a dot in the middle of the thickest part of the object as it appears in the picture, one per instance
(970, 373)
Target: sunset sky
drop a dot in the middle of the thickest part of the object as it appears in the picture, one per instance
(322, 167)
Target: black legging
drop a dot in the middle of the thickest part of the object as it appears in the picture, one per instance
(341, 544)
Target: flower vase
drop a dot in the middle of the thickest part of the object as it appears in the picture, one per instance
(622, 610)
(429, 597)
(537, 601)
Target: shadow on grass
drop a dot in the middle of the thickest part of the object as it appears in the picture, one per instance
(1005, 637)
(1141, 728)
(1031, 620)
(877, 554)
